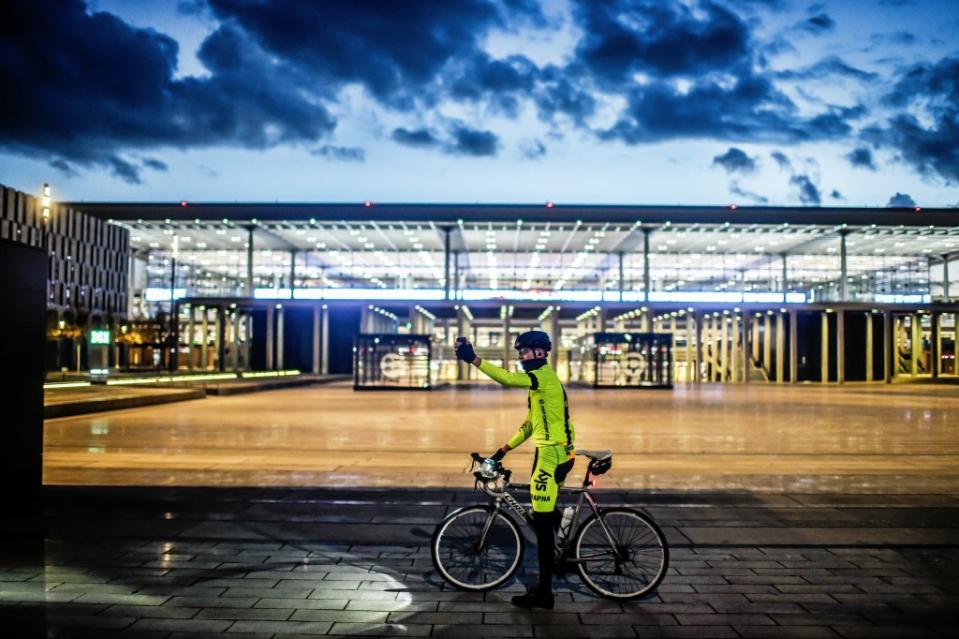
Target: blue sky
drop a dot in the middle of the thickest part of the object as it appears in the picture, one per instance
(622, 101)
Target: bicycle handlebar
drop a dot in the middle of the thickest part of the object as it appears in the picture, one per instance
(498, 468)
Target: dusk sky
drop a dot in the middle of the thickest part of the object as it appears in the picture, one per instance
(840, 103)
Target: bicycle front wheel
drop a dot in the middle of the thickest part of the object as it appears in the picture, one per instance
(466, 558)
(622, 554)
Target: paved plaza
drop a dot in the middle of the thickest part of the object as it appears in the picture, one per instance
(790, 511)
(861, 438)
(268, 562)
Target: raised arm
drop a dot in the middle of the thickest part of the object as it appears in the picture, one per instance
(504, 377)
(465, 352)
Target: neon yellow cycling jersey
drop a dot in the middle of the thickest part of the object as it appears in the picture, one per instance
(548, 420)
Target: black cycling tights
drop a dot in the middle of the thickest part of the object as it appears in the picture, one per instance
(545, 524)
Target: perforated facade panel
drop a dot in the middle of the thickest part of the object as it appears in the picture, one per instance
(88, 257)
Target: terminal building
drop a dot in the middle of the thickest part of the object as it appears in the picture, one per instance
(632, 295)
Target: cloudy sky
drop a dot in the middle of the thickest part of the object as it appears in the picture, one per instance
(837, 103)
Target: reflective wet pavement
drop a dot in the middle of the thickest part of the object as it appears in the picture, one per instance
(265, 563)
(856, 438)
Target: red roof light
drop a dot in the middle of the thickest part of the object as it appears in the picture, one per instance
(549, 204)
(183, 203)
(732, 207)
(367, 204)
(918, 208)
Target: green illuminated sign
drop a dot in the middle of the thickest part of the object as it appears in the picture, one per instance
(100, 337)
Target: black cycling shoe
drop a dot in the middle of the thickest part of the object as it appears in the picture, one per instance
(534, 599)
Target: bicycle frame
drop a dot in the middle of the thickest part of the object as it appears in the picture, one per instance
(501, 496)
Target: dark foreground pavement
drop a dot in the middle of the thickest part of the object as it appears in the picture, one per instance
(263, 563)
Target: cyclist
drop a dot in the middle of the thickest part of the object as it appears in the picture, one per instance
(552, 431)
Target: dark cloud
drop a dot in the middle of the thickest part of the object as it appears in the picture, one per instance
(155, 164)
(931, 144)
(393, 49)
(861, 157)
(556, 94)
(735, 161)
(276, 69)
(532, 149)
(777, 46)
(755, 198)
(898, 3)
(658, 37)
(901, 200)
(749, 109)
(808, 191)
(818, 24)
(473, 142)
(191, 7)
(89, 102)
(124, 170)
(781, 160)
(421, 138)
(340, 153)
(830, 66)
(460, 139)
(902, 38)
(64, 167)
(502, 83)
(836, 195)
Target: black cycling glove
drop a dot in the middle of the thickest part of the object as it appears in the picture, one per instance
(498, 455)
(464, 350)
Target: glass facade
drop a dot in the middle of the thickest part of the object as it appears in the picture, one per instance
(573, 261)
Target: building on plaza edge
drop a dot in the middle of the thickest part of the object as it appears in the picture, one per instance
(747, 293)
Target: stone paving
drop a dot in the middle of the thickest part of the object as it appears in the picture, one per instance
(191, 563)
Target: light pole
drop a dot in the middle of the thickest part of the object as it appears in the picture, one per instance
(45, 215)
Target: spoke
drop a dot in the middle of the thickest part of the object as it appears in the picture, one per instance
(632, 534)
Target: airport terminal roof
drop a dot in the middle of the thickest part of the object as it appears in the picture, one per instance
(453, 212)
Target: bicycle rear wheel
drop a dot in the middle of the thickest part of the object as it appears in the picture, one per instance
(625, 559)
(462, 561)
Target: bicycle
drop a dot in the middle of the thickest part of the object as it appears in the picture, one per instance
(620, 553)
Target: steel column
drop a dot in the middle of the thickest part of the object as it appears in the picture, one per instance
(840, 346)
(204, 332)
(325, 344)
(317, 312)
(280, 342)
(747, 367)
(292, 273)
(446, 263)
(249, 261)
(793, 347)
(646, 277)
(768, 344)
(780, 348)
(824, 348)
(191, 337)
(269, 337)
(235, 339)
(888, 347)
(916, 341)
(724, 348)
(936, 346)
(843, 284)
(219, 336)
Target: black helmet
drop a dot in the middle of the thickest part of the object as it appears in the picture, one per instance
(533, 340)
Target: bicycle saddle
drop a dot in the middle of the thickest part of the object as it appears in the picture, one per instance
(597, 455)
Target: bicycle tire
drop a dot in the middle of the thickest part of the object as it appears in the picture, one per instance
(652, 548)
(506, 536)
